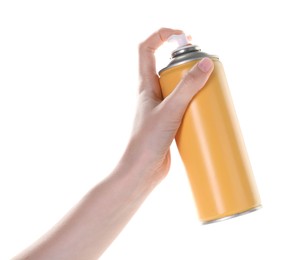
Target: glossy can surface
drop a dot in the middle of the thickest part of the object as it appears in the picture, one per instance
(212, 149)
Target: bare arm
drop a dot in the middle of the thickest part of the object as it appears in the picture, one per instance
(90, 227)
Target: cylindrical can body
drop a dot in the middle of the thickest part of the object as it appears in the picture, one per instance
(212, 149)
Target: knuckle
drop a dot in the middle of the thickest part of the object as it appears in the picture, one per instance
(189, 79)
(194, 78)
(161, 31)
(141, 46)
(145, 48)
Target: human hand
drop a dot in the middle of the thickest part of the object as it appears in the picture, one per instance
(91, 226)
(158, 120)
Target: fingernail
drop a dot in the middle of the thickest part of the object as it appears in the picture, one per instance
(205, 65)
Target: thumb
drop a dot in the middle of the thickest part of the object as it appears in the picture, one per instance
(176, 103)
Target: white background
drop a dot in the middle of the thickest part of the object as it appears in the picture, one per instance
(68, 88)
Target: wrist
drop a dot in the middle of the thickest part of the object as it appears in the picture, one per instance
(141, 164)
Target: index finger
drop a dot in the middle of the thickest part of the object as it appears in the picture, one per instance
(147, 66)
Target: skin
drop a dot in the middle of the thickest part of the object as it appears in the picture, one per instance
(91, 226)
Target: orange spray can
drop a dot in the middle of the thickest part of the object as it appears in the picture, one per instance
(210, 142)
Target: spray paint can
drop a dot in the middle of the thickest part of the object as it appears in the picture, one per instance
(210, 142)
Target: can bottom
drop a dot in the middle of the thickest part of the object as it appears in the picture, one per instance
(232, 216)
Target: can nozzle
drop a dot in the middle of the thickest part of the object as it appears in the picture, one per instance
(184, 46)
(180, 39)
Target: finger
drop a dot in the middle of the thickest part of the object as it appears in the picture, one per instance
(176, 103)
(147, 49)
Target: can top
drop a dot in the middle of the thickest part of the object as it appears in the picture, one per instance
(185, 52)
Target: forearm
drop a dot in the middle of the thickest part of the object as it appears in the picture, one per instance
(100, 216)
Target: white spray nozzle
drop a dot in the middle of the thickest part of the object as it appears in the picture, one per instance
(180, 39)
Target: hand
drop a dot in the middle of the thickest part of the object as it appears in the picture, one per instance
(158, 120)
(91, 226)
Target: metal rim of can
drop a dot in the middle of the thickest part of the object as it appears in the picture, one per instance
(232, 216)
(187, 54)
